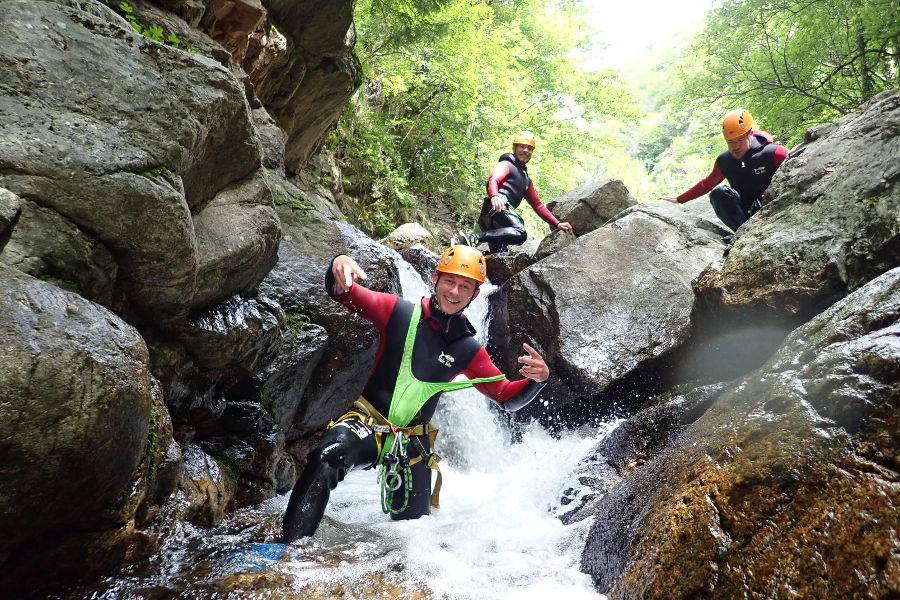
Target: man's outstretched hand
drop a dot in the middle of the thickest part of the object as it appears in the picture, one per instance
(346, 271)
(533, 365)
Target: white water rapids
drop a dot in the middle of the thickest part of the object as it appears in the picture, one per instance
(496, 536)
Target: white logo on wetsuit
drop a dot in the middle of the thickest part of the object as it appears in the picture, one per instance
(446, 360)
(759, 170)
(356, 426)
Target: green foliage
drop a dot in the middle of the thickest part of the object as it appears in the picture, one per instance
(128, 12)
(447, 84)
(295, 201)
(230, 464)
(150, 450)
(296, 321)
(153, 32)
(792, 63)
(795, 63)
(164, 173)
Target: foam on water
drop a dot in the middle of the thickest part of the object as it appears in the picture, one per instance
(496, 534)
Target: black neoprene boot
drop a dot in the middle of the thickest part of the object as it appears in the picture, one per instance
(308, 500)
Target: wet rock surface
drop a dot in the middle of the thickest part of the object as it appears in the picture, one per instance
(830, 223)
(787, 484)
(151, 181)
(75, 389)
(610, 303)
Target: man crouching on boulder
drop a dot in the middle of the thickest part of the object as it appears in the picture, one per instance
(423, 345)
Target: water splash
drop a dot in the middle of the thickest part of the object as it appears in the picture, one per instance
(495, 537)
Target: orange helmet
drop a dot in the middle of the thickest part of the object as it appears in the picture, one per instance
(524, 137)
(463, 260)
(737, 123)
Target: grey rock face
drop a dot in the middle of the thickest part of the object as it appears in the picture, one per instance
(129, 140)
(501, 267)
(308, 84)
(592, 205)
(587, 207)
(297, 284)
(618, 297)
(781, 482)
(233, 336)
(10, 207)
(423, 260)
(287, 376)
(832, 221)
(74, 390)
(46, 245)
(237, 240)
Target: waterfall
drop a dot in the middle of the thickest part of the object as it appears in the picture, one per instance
(495, 537)
(496, 534)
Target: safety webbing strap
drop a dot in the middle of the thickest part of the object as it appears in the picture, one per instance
(410, 392)
(423, 429)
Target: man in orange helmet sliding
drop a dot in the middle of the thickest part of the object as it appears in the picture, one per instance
(749, 164)
(507, 185)
(423, 346)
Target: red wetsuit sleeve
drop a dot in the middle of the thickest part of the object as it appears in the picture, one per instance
(482, 366)
(539, 207)
(781, 153)
(371, 305)
(498, 176)
(704, 186)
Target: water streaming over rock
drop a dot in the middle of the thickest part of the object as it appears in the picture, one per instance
(496, 535)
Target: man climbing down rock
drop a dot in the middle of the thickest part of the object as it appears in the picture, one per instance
(749, 164)
(509, 182)
(423, 345)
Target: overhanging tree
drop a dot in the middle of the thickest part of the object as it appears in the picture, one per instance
(799, 62)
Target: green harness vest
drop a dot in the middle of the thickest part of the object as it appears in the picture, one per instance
(410, 393)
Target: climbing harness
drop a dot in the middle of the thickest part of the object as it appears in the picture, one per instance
(394, 473)
(392, 433)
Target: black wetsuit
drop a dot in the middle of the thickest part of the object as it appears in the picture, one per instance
(509, 179)
(444, 348)
(748, 177)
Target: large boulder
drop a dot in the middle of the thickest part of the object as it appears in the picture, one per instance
(586, 207)
(612, 302)
(306, 78)
(830, 223)
(77, 406)
(141, 148)
(237, 239)
(501, 267)
(592, 205)
(787, 482)
(46, 245)
(342, 363)
(407, 235)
